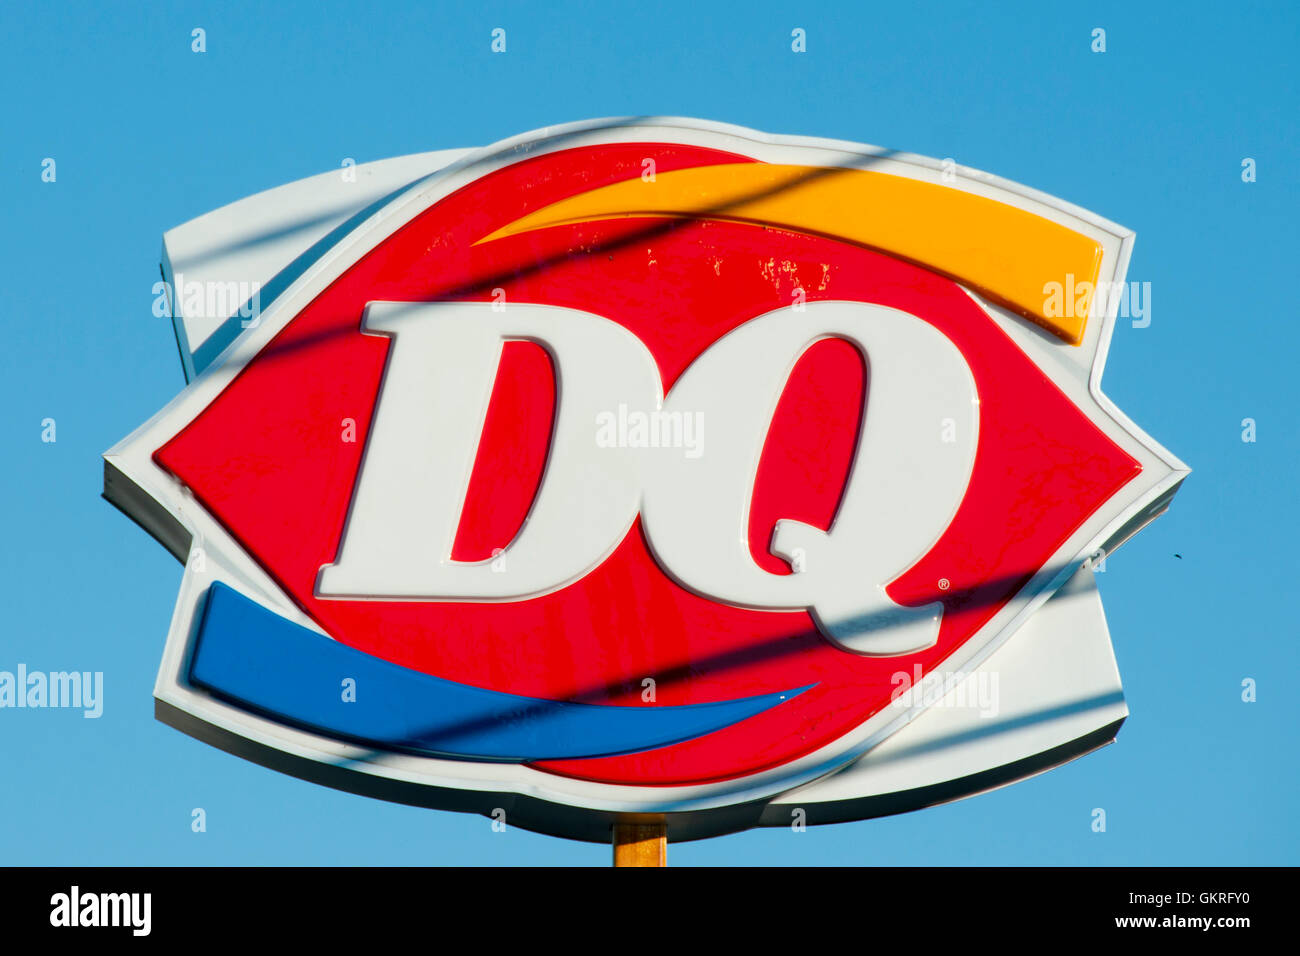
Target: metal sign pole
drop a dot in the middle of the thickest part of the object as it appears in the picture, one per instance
(641, 844)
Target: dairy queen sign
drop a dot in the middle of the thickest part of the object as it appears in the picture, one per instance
(649, 472)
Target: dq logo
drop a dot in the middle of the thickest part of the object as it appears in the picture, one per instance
(403, 522)
(632, 492)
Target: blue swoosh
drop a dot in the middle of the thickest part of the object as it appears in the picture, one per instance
(258, 659)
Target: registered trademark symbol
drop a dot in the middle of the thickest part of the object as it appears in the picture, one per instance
(944, 584)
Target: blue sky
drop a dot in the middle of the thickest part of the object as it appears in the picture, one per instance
(1151, 134)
